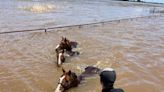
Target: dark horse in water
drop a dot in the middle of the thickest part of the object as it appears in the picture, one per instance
(70, 79)
(65, 46)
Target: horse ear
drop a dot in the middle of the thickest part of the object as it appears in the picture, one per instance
(65, 39)
(69, 72)
(63, 71)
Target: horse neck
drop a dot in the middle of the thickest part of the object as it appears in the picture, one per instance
(59, 58)
(76, 83)
(80, 78)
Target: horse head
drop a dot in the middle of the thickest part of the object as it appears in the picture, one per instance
(67, 80)
(64, 45)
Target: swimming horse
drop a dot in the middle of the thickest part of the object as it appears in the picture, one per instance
(64, 46)
(70, 79)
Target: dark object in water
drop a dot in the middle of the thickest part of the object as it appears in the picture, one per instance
(73, 53)
(89, 71)
(107, 79)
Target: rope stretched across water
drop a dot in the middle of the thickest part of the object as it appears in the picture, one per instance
(79, 25)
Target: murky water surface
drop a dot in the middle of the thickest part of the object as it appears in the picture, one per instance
(135, 49)
(31, 14)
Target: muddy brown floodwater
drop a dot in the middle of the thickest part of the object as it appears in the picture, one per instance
(134, 48)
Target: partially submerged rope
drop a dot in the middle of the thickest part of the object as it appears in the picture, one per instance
(79, 25)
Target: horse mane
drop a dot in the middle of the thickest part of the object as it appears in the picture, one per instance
(75, 77)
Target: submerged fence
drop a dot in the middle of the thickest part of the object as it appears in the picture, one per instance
(79, 25)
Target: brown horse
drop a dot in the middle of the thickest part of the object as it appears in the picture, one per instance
(70, 79)
(66, 45)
